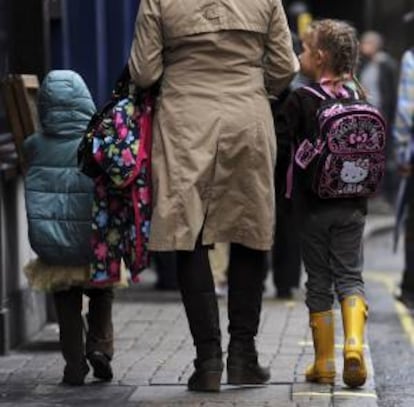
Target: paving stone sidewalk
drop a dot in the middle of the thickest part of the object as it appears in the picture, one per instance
(154, 353)
(154, 360)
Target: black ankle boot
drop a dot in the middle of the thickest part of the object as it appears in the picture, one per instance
(74, 375)
(101, 364)
(207, 375)
(243, 366)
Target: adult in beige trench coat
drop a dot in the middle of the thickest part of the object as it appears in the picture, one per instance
(214, 152)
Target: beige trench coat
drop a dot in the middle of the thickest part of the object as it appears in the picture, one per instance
(214, 145)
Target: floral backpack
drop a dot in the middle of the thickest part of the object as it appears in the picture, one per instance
(116, 153)
(345, 158)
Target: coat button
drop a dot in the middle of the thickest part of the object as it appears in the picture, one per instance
(211, 12)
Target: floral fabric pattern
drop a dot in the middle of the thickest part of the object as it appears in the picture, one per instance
(122, 200)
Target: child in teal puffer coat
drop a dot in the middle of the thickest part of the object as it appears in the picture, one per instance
(58, 203)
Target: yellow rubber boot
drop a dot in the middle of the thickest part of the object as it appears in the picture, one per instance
(354, 315)
(323, 369)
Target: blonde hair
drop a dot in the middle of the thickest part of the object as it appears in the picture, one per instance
(339, 40)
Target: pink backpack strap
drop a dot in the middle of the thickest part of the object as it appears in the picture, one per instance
(352, 92)
(289, 173)
(343, 92)
(315, 92)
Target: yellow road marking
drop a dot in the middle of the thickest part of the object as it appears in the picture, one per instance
(406, 320)
(355, 394)
(335, 393)
(337, 345)
(401, 310)
(312, 393)
(388, 281)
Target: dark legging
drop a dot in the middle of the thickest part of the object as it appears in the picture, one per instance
(193, 271)
(247, 270)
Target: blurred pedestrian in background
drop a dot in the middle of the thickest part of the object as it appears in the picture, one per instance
(219, 258)
(331, 229)
(59, 203)
(214, 152)
(378, 74)
(165, 264)
(404, 143)
(286, 255)
(299, 18)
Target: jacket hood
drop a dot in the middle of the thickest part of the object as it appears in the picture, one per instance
(65, 104)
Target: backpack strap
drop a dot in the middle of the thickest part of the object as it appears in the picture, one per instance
(289, 173)
(346, 91)
(352, 92)
(315, 92)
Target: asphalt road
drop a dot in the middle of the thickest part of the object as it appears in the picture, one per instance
(390, 326)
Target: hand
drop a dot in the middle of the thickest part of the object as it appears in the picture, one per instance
(405, 170)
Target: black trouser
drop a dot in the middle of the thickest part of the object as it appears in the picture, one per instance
(407, 284)
(247, 272)
(246, 275)
(166, 269)
(99, 336)
(286, 254)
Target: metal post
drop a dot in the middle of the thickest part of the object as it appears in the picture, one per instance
(369, 15)
(67, 57)
(101, 51)
(29, 37)
(4, 312)
(128, 18)
(45, 18)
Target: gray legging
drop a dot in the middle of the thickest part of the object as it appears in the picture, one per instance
(332, 253)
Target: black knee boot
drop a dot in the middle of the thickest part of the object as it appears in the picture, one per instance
(242, 363)
(203, 319)
(68, 304)
(246, 275)
(200, 302)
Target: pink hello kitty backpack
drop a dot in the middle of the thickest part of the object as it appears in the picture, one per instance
(345, 158)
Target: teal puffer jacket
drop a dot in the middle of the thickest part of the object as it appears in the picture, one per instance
(58, 195)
